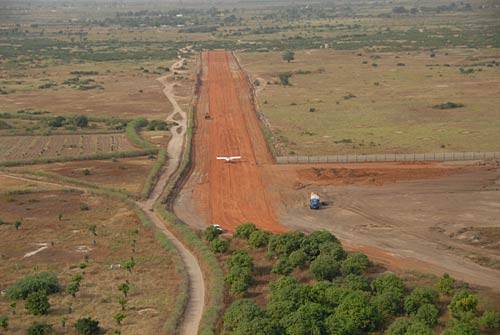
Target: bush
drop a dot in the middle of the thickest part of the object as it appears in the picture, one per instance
(40, 328)
(239, 276)
(427, 314)
(283, 266)
(212, 233)
(243, 310)
(388, 282)
(462, 327)
(354, 315)
(333, 249)
(4, 322)
(448, 105)
(37, 303)
(355, 282)
(297, 258)
(463, 303)
(219, 245)
(288, 55)
(418, 297)
(490, 320)
(87, 326)
(284, 244)
(240, 259)
(307, 319)
(57, 122)
(244, 230)
(258, 239)
(388, 304)
(320, 240)
(356, 263)
(284, 78)
(45, 281)
(398, 327)
(325, 267)
(81, 121)
(445, 284)
(419, 328)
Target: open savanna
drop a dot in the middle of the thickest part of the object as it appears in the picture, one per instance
(124, 89)
(61, 221)
(371, 102)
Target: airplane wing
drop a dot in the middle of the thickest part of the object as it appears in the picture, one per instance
(223, 158)
(234, 157)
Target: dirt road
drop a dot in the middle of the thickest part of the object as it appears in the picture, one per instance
(229, 194)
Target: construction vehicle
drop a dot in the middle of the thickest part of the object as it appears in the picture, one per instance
(314, 201)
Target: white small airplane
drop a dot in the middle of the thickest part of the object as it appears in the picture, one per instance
(228, 159)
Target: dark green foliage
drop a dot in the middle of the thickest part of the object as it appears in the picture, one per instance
(219, 245)
(445, 284)
(211, 233)
(283, 266)
(418, 297)
(320, 240)
(244, 230)
(307, 319)
(258, 239)
(81, 121)
(333, 249)
(490, 320)
(124, 288)
(40, 328)
(427, 314)
(419, 328)
(288, 55)
(87, 326)
(240, 311)
(355, 282)
(388, 303)
(285, 244)
(37, 303)
(448, 105)
(240, 268)
(398, 327)
(356, 263)
(297, 258)
(284, 78)
(73, 288)
(325, 267)
(129, 264)
(388, 282)
(354, 315)
(240, 259)
(462, 327)
(45, 281)
(463, 303)
(157, 125)
(57, 122)
(4, 322)
(286, 295)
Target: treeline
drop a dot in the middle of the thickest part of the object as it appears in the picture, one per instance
(338, 293)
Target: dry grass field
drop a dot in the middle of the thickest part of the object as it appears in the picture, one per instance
(57, 220)
(367, 102)
(32, 147)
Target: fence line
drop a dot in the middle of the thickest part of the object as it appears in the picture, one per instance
(390, 157)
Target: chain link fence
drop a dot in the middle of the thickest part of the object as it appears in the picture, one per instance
(390, 157)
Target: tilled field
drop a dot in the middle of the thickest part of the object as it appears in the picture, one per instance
(31, 147)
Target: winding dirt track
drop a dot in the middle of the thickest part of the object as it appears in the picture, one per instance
(230, 193)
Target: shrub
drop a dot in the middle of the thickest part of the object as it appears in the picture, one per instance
(73, 288)
(4, 322)
(356, 263)
(307, 319)
(445, 284)
(398, 327)
(388, 304)
(355, 282)
(244, 230)
(388, 282)
(297, 258)
(219, 245)
(317, 241)
(490, 320)
(240, 259)
(325, 267)
(418, 297)
(45, 281)
(427, 314)
(333, 249)
(37, 303)
(284, 78)
(354, 315)
(211, 233)
(243, 310)
(258, 239)
(57, 122)
(40, 328)
(81, 121)
(462, 327)
(419, 328)
(463, 303)
(240, 272)
(84, 207)
(288, 55)
(448, 105)
(87, 326)
(128, 264)
(283, 266)
(285, 244)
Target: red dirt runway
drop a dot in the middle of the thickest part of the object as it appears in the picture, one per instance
(230, 193)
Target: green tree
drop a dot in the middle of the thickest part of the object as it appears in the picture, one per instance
(211, 233)
(419, 328)
(4, 322)
(129, 264)
(288, 55)
(490, 320)
(93, 229)
(418, 297)
(285, 244)
(124, 288)
(40, 328)
(306, 320)
(17, 224)
(73, 288)
(354, 315)
(119, 317)
(325, 267)
(333, 249)
(445, 284)
(356, 263)
(388, 282)
(258, 239)
(462, 327)
(37, 303)
(284, 78)
(283, 266)
(244, 230)
(388, 304)
(462, 304)
(243, 310)
(427, 314)
(319, 240)
(81, 121)
(297, 258)
(219, 245)
(87, 326)
(398, 327)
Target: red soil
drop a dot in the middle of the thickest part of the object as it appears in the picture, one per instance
(230, 193)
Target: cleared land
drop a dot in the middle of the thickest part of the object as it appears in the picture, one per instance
(376, 102)
(32, 147)
(69, 240)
